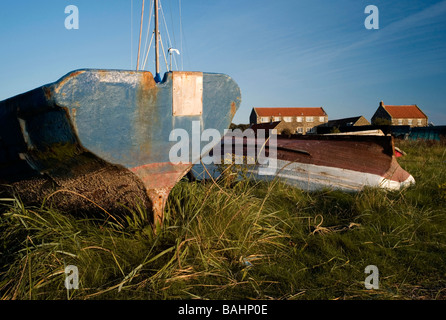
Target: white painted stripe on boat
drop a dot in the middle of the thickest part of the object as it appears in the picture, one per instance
(314, 177)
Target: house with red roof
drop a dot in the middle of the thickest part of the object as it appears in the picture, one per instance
(292, 120)
(405, 115)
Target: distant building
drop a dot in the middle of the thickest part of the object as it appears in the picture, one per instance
(292, 120)
(406, 115)
(347, 122)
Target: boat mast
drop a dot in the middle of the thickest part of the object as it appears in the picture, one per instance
(157, 54)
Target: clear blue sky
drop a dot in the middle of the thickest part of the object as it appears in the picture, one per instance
(307, 53)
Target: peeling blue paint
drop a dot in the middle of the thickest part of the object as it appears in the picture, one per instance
(123, 117)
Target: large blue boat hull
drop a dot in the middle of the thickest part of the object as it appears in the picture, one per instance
(116, 117)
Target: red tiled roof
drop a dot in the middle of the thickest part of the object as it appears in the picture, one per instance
(405, 112)
(290, 112)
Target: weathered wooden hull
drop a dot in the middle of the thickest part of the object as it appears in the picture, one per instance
(90, 119)
(315, 162)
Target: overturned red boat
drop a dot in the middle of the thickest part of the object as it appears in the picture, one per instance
(314, 162)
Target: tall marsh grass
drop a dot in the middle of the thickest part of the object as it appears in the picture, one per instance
(229, 239)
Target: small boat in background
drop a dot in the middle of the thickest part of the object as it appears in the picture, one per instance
(105, 134)
(314, 162)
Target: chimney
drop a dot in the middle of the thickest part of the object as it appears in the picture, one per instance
(381, 104)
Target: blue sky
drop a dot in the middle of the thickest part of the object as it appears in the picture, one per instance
(307, 53)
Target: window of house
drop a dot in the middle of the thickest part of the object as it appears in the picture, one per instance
(299, 130)
(321, 119)
(287, 119)
(400, 122)
(410, 122)
(419, 122)
(299, 119)
(264, 119)
(310, 130)
(309, 119)
(276, 118)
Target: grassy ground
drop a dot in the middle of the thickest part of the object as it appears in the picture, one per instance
(240, 240)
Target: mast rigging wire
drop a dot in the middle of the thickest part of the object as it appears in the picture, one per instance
(169, 42)
(147, 55)
(147, 48)
(164, 53)
(148, 32)
(181, 36)
(140, 33)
